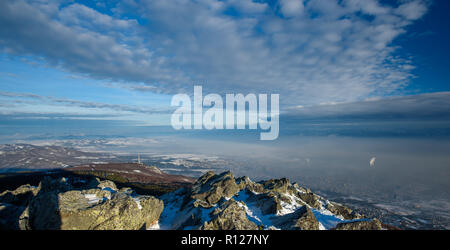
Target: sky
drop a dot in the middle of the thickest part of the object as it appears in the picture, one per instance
(122, 61)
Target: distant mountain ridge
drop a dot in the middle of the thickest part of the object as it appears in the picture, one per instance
(132, 172)
(30, 157)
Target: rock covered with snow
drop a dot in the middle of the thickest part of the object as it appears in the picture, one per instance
(303, 219)
(221, 201)
(230, 215)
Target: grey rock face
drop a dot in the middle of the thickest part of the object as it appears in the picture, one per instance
(310, 199)
(343, 211)
(360, 225)
(120, 212)
(18, 197)
(14, 213)
(229, 216)
(301, 219)
(269, 203)
(107, 185)
(245, 183)
(13, 217)
(210, 188)
(306, 219)
(280, 185)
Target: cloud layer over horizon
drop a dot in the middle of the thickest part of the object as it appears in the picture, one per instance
(428, 107)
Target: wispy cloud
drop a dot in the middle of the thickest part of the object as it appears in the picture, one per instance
(308, 51)
(20, 95)
(20, 98)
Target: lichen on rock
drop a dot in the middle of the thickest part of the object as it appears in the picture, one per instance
(230, 215)
(59, 203)
(210, 188)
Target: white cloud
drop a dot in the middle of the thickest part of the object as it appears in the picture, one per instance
(371, 7)
(412, 10)
(291, 8)
(328, 53)
(80, 15)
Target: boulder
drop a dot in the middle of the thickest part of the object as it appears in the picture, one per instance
(210, 188)
(106, 184)
(13, 217)
(302, 219)
(310, 199)
(61, 203)
(306, 219)
(121, 212)
(343, 211)
(277, 185)
(269, 203)
(245, 183)
(93, 209)
(20, 196)
(14, 207)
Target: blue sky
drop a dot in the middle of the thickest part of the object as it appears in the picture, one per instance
(123, 60)
(427, 41)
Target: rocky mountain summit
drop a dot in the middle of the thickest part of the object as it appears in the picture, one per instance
(213, 202)
(223, 202)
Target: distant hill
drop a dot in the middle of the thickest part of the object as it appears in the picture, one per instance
(15, 157)
(132, 172)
